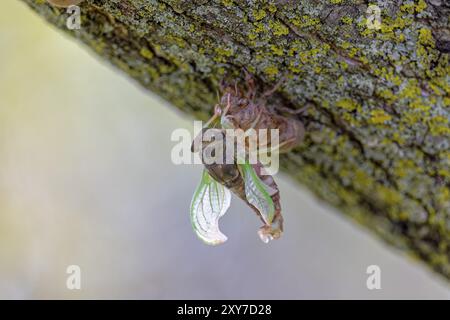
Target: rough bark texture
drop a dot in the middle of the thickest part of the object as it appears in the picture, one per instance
(377, 143)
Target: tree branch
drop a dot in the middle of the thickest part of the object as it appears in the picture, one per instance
(377, 142)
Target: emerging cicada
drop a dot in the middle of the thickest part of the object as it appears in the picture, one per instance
(212, 197)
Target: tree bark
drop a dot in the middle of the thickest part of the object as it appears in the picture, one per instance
(377, 131)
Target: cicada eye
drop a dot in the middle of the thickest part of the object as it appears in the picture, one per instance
(64, 3)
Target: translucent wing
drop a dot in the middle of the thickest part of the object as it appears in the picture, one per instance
(210, 202)
(257, 194)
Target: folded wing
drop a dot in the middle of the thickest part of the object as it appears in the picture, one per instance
(257, 193)
(210, 202)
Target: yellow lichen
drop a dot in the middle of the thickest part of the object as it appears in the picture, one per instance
(259, 14)
(439, 125)
(446, 101)
(347, 104)
(146, 53)
(407, 7)
(294, 67)
(387, 195)
(271, 71)
(278, 28)
(347, 20)
(411, 90)
(387, 95)
(425, 37)
(227, 3)
(272, 8)
(379, 116)
(421, 5)
(305, 21)
(222, 54)
(277, 50)
(252, 36)
(224, 51)
(260, 27)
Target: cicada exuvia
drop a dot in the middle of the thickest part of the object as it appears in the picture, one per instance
(212, 197)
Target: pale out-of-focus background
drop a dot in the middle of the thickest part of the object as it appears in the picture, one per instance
(86, 178)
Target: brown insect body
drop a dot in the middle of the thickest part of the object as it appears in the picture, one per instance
(230, 176)
(243, 110)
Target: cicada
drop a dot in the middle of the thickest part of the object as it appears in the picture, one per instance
(213, 195)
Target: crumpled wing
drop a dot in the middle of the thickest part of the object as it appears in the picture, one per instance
(210, 202)
(257, 193)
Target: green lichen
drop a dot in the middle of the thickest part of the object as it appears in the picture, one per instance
(379, 117)
(259, 14)
(347, 104)
(271, 71)
(146, 53)
(278, 28)
(227, 3)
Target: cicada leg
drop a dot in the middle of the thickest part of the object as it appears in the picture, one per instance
(218, 112)
(255, 122)
(218, 95)
(292, 111)
(225, 111)
(277, 86)
(251, 93)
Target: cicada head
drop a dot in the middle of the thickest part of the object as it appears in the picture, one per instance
(207, 141)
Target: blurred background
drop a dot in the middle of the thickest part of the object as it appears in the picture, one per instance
(86, 179)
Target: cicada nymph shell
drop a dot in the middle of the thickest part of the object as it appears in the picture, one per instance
(239, 109)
